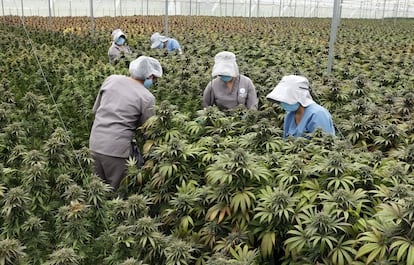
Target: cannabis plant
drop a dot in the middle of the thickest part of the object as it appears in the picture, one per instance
(317, 234)
(12, 252)
(64, 256)
(15, 209)
(233, 177)
(275, 211)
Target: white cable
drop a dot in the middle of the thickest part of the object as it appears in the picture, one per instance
(51, 95)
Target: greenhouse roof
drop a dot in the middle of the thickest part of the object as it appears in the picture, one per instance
(257, 8)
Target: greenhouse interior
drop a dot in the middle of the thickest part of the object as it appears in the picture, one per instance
(374, 9)
(207, 132)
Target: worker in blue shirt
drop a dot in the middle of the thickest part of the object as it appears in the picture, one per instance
(304, 115)
(159, 41)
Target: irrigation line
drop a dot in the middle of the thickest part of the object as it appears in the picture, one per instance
(51, 96)
(313, 95)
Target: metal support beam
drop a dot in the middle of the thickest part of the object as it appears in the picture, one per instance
(166, 18)
(22, 11)
(2, 8)
(50, 15)
(92, 18)
(334, 28)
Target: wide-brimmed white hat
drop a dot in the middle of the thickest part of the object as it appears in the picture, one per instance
(156, 39)
(292, 89)
(225, 64)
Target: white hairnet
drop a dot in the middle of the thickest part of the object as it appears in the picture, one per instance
(156, 39)
(225, 64)
(144, 66)
(292, 89)
(116, 34)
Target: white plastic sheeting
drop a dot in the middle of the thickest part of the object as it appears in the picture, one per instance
(375, 9)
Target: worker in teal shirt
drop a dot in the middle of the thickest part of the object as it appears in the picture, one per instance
(304, 115)
(159, 41)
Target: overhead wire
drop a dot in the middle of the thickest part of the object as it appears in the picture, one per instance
(99, 210)
(51, 94)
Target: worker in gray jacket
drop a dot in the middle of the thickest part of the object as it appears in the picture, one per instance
(123, 104)
(119, 46)
(229, 89)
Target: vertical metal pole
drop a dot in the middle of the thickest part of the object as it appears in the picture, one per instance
(280, 8)
(340, 12)
(120, 8)
(147, 11)
(92, 18)
(220, 8)
(50, 16)
(250, 14)
(294, 12)
(334, 27)
(304, 8)
(22, 11)
(190, 7)
(258, 8)
(114, 8)
(233, 9)
(70, 8)
(2, 8)
(406, 8)
(166, 18)
(396, 12)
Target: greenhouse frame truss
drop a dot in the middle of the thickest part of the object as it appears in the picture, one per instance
(370, 9)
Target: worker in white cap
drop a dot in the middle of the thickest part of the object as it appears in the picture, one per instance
(229, 89)
(159, 41)
(304, 115)
(119, 46)
(123, 104)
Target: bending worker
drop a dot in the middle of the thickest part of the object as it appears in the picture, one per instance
(159, 41)
(123, 104)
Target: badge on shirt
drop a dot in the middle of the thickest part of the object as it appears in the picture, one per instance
(242, 92)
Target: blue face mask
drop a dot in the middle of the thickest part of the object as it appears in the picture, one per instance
(120, 41)
(148, 83)
(226, 78)
(290, 107)
(161, 45)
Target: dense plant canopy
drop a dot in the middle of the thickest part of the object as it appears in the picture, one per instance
(216, 188)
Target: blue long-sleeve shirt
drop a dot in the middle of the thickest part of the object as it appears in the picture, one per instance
(172, 45)
(314, 116)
